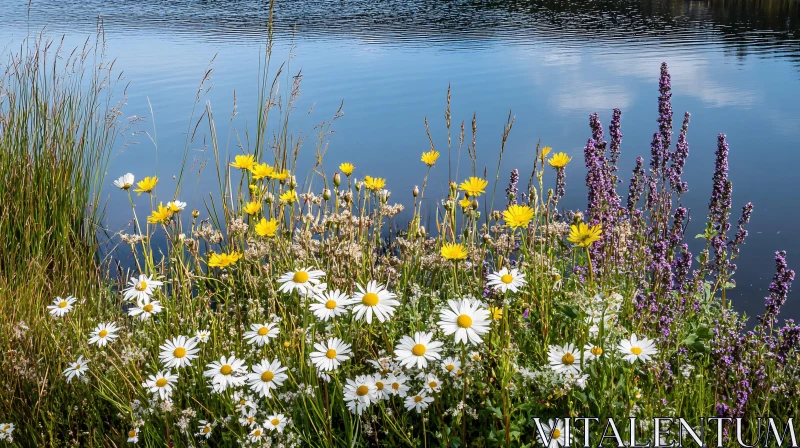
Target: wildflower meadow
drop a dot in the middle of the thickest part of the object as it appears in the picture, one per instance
(296, 306)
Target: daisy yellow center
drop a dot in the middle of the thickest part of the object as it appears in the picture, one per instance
(433, 384)
(507, 278)
(141, 286)
(267, 376)
(77, 367)
(597, 351)
(127, 185)
(330, 304)
(370, 299)
(251, 419)
(147, 308)
(62, 304)
(464, 321)
(275, 422)
(131, 433)
(242, 402)
(417, 399)
(226, 369)
(206, 429)
(257, 433)
(362, 390)
(418, 350)
(636, 350)
(379, 385)
(330, 354)
(103, 333)
(396, 386)
(449, 367)
(555, 434)
(179, 352)
(300, 277)
(567, 359)
(263, 331)
(161, 382)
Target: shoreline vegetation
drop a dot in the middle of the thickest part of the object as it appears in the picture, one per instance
(292, 312)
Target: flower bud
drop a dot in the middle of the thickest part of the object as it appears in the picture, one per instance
(358, 184)
(337, 179)
(195, 213)
(422, 231)
(292, 182)
(453, 188)
(326, 194)
(474, 204)
(415, 192)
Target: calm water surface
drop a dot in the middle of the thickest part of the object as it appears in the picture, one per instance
(735, 66)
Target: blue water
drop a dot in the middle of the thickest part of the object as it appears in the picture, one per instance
(734, 66)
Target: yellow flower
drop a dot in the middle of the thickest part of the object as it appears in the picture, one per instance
(374, 183)
(280, 175)
(474, 186)
(251, 208)
(146, 185)
(583, 235)
(160, 215)
(246, 162)
(289, 196)
(545, 151)
(518, 216)
(267, 228)
(496, 312)
(454, 251)
(261, 170)
(347, 168)
(465, 203)
(223, 260)
(429, 158)
(559, 160)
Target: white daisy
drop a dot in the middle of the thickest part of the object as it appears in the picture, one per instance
(397, 384)
(145, 309)
(77, 369)
(133, 435)
(256, 434)
(304, 280)
(451, 365)
(60, 306)
(260, 334)
(205, 428)
(242, 401)
(202, 336)
(418, 351)
(505, 280)
(124, 182)
(554, 431)
(176, 205)
(329, 356)
(360, 393)
(564, 358)
(418, 402)
(6, 431)
(330, 304)
(179, 352)
(266, 376)
(275, 422)
(382, 387)
(140, 288)
(248, 417)
(376, 299)
(432, 383)
(161, 384)
(634, 349)
(467, 319)
(592, 352)
(385, 365)
(103, 334)
(225, 373)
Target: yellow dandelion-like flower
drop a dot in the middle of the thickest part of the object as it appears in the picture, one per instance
(261, 170)
(496, 312)
(465, 203)
(583, 235)
(518, 216)
(251, 208)
(347, 168)
(429, 158)
(374, 183)
(289, 196)
(280, 175)
(160, 215)
(474, 186)
(454, 251)
(146, 185)
(545, 151)
(245, 162)
(267, 228)
(223, 260)
(559, 160)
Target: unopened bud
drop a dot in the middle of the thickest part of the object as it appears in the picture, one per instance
(453, 188)
(292, 182)
(474, 204)
(415, 192)
(195, 213)
(337, 179)
(326, 194)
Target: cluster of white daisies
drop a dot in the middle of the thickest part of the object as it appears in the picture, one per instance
(6, 430)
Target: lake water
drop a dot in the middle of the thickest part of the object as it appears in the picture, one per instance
(734, 65)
